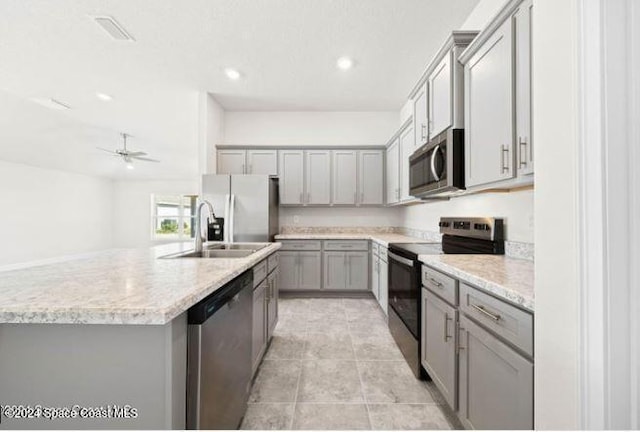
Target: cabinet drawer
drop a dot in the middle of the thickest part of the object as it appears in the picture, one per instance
(346, 245)
(259, 273)
(509, 322)
(441, 284)
(272, 262)
(301, 245)
(375, 247)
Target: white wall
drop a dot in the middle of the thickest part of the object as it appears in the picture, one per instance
(344, 217)
(482, 14)
(309, 128)
(132, 208)
(556, 213)
(515, 207)
(47, 213)
(210, 131)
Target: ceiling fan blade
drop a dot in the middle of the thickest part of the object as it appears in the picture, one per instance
(144, 159)
(135, 154)
(108, 151)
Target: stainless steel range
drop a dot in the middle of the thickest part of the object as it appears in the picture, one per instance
(460, 236)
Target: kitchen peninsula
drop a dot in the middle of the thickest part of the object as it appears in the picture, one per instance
(106, 330)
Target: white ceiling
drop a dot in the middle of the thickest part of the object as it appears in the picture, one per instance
(285, 49)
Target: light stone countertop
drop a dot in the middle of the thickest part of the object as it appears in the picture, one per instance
(381, 238)
(125, 286)
(509, 278)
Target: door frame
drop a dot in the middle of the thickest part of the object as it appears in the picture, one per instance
(609, 201)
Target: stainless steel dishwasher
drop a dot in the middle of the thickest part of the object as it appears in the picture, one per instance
(219, 356)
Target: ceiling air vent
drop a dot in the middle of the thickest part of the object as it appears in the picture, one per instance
(112, 27)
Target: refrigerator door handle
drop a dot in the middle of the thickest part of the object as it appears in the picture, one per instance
(227, 220)
(232, 205)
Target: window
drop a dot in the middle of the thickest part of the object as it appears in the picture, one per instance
(173, 217)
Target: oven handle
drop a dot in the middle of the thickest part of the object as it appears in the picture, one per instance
(400, 259)
(433, 162)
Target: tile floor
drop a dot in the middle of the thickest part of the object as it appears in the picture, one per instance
(333, 364)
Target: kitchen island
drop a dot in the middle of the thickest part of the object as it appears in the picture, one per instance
(104, 337)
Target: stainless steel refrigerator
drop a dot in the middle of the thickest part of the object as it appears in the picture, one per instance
(248, 203)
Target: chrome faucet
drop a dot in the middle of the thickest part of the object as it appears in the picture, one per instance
(212, 216)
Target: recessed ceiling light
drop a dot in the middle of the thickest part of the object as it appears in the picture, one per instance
(232, 74)
(130, 165)
(344, 63)
(103, 96)
(113, 28)
(51, 103)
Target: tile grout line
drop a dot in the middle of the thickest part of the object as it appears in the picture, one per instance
(301, 360)
(357, 363)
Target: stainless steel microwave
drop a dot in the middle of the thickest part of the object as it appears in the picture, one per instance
(437, 168)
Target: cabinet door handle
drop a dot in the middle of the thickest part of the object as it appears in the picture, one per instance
(485, 312)
(460, 347)
(523, 151)
(446, 327)
(423, 131)
(435, 282)
(308, 197)
(504, 160)
(301, 202)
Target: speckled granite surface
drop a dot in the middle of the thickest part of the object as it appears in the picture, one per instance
(128, 286)
(509, 278)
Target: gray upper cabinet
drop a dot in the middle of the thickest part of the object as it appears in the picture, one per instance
(440, 86)
(262, 162)
(291, 176)
(489, 110)
(371, 177)
(522, 24)
(231, 161)
(420, 117)
(406, 149)
(497, 74)
(496, 383)
(439, 343)
(345, 177)
(318, 175)
(393, 175)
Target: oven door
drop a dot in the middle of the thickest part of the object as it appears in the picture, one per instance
(404, 291)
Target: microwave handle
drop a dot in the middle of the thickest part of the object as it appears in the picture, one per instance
(433, 162)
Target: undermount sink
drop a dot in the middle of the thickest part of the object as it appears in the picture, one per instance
(222, 250)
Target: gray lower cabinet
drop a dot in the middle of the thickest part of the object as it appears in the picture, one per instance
(375, 275)
(346, 270)
(300, 270)
(438, 355)
(265, 307)
(259, 336)
(272, 303)
(496, 383)
(383, 278)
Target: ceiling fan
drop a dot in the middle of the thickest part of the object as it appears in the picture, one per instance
(128, 156)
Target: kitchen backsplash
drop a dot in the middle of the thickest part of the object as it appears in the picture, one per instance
(518, 250)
